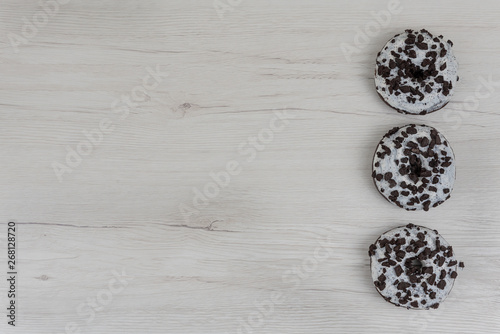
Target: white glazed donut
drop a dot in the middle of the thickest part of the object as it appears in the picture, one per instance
(416, 72)
(414, 167)
(413, 267)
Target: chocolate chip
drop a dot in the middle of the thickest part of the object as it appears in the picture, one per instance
(411, 130)
(398, 270)
(427, 251)
(453, 274)
(424, 142)
(404, 89)
(419, 244)
(441, 284)
(410, 41)
(379, 285)
(403, 286)
(427, 270)
(431, 54)
(443, 274)
(422, 46)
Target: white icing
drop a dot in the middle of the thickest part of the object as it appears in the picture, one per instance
(391, 290)
(435, 99)
(388, 164)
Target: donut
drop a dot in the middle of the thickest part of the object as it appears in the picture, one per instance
(413, 266)
(414, 167)
(416, 72)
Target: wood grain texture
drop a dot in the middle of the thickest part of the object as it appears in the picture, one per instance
(283, 247)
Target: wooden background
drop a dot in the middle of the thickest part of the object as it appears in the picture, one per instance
(282, 248)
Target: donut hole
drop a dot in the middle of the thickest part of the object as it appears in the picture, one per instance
(417, 73)
(415, 166)
(414, 265)
(417, 263)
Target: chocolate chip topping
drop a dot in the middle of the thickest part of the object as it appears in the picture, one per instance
(423, 267)
(423, 177)
(419, 66)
